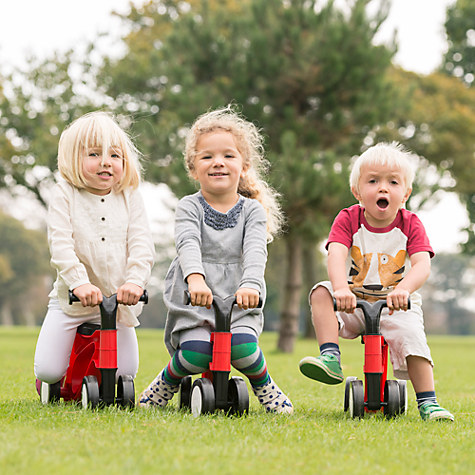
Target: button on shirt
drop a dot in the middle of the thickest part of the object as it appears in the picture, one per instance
(102, 240)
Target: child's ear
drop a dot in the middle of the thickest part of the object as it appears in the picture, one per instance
(355, 193)
(406, 196)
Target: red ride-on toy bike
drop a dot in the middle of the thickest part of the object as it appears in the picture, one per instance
(92, 369)
(214, 390)
(378, 392)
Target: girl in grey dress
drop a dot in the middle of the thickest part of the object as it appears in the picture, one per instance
(221, 235)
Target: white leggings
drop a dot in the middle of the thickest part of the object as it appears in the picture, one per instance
(56, 338)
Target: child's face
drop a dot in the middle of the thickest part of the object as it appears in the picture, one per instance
(218, 164)
(102, 173)
(382, 192)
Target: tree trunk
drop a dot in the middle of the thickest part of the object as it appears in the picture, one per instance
(310, 279)
(289, 319)
(6, 314)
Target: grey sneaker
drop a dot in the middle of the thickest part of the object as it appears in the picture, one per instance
(323, 368)
(158, 393)
(273, 399)
(430, 411)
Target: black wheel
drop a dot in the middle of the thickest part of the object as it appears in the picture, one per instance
(125, 391)
(184, 400)
(356, 399)
(90, 392)
(202, 397)
(50, 392)
(391, 398)
(238, 396)
(348, 380)
(402, 396)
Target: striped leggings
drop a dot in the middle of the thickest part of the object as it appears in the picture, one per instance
(194, 355)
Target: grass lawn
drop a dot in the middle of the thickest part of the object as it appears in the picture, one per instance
(318, 438)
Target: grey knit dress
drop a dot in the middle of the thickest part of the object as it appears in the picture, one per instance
(229, 249)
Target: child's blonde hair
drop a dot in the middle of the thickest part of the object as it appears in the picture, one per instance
(392, 154)
(96, 130)
(250, 145)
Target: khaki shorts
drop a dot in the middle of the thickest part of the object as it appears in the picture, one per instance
(403, 331)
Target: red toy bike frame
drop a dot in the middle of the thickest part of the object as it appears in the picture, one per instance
(93, 364)
(379, 393)
(214, 390)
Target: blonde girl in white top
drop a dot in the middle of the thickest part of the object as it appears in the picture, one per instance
(99, 239)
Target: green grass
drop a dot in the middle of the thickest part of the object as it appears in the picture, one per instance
(318, 438)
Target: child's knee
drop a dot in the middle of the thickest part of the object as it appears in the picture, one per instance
(48, 373)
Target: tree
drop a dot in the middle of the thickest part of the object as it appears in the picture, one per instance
(24, 260)
(459, 61)
(311, 78)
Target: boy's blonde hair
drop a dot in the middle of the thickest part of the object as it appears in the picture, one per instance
(393, 155)
(250, 145)
(96, 130)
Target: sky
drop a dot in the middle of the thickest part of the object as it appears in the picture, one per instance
(37, 28)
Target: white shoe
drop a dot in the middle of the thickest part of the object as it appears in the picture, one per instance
(158, 393)
(273, 399)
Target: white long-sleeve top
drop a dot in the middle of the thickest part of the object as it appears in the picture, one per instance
(102, 240)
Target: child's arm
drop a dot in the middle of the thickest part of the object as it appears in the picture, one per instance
(140, 252)
(254, 256)
(413, 280)
(345, 298)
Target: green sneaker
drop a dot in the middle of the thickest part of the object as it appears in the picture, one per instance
(323, 368)
(433, 412)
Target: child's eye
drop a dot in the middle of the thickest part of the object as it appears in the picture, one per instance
(116, 156)
(394, 182)
(372, 180)
(229, 155)
(93, 154)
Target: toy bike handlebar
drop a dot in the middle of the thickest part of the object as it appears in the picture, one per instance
(372, 313)
(222, 309)
(187, 299)
(74, 298)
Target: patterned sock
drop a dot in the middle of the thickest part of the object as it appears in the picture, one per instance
(330, 349)
(247, 357)
(426, 396)
(193, 357)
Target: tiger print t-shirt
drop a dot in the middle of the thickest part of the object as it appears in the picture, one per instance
(378, 258)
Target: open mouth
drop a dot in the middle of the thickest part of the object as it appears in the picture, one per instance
(106, 174)
(382, 203)
(218, 174)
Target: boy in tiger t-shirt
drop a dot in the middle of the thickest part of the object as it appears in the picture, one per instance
(377, 250)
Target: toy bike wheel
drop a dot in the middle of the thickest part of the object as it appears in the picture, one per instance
(184, 400)
(50, 392)
(356, 399)
(125, 391)
(391, 398)
(238, 396)
(202, 397)
(348, 380)
(402, 396)
(90, 392)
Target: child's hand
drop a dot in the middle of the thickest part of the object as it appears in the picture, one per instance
(345, 300)
(129, 294)
(247, 298)
(88, 294)
(398, 299)
(200, 293)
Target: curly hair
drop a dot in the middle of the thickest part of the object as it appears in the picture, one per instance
(250, 143)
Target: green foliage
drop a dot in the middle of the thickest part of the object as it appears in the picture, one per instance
(23, 258)
(459, 60)
(317, 438)
(309, 79)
